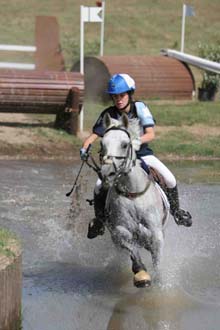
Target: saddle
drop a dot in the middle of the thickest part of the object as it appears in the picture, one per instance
(162, 187)
(157, 177)
(154, 176)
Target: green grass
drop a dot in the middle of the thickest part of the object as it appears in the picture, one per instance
(92, 111)
(131, 27)
(189, 130)
(188, 124)
(183, 144)
(190, 113)
(5, 236)
(56, 136)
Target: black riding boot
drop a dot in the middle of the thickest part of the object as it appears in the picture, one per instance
(180, 216)
(96, 226)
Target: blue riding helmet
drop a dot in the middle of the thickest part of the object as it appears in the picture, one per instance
(120, 83)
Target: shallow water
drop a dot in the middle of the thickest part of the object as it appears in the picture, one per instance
(70, 282)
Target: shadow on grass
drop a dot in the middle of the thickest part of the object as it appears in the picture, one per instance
(28, 125)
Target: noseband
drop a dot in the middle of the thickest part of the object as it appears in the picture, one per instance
(109, 159)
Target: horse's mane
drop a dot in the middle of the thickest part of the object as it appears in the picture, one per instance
(131, 125)
(134, 128)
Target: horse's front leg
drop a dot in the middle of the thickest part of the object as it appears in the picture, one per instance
(123, 237)
(141, 277)
(156, 248)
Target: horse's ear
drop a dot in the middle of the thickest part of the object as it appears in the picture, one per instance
(107, 120)
(124, 119)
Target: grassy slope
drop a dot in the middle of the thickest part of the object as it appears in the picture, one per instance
(132, 27)
(190, 129)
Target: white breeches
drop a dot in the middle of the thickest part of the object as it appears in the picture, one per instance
(154, 162)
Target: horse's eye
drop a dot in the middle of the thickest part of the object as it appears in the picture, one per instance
(124, 145)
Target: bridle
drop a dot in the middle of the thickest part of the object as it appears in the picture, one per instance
(124, 168)
(128, 161)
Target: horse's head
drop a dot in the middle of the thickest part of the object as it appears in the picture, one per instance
(118, 146)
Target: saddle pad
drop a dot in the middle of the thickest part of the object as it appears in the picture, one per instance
(166, 204)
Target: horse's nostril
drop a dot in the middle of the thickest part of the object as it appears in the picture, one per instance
(111, 173)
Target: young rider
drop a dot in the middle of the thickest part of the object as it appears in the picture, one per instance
(121, 87)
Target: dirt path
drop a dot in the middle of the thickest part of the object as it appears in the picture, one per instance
(27, 136)
(14, 134)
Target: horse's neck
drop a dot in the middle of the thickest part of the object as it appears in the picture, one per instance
(135, 180)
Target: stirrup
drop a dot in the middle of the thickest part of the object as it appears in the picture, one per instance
(95, 229)
(182, 217)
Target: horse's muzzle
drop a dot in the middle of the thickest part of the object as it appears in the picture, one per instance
(108, 174)
(107, 160)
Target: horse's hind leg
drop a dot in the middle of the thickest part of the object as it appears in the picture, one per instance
(123, 238)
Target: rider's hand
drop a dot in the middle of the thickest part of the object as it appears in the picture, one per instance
(84, 154)
(136, 143)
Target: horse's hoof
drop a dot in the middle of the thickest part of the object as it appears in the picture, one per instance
(142, 279)
(95, 229)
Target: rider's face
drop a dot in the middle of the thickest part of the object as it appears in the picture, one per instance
(121, 100)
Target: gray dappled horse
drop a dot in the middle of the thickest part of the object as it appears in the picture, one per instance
(135, 208)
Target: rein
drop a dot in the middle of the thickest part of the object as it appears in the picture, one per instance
(94, 166)
(122, 190)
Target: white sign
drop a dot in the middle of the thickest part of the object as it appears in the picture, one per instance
(91, 14)
(187, 11)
